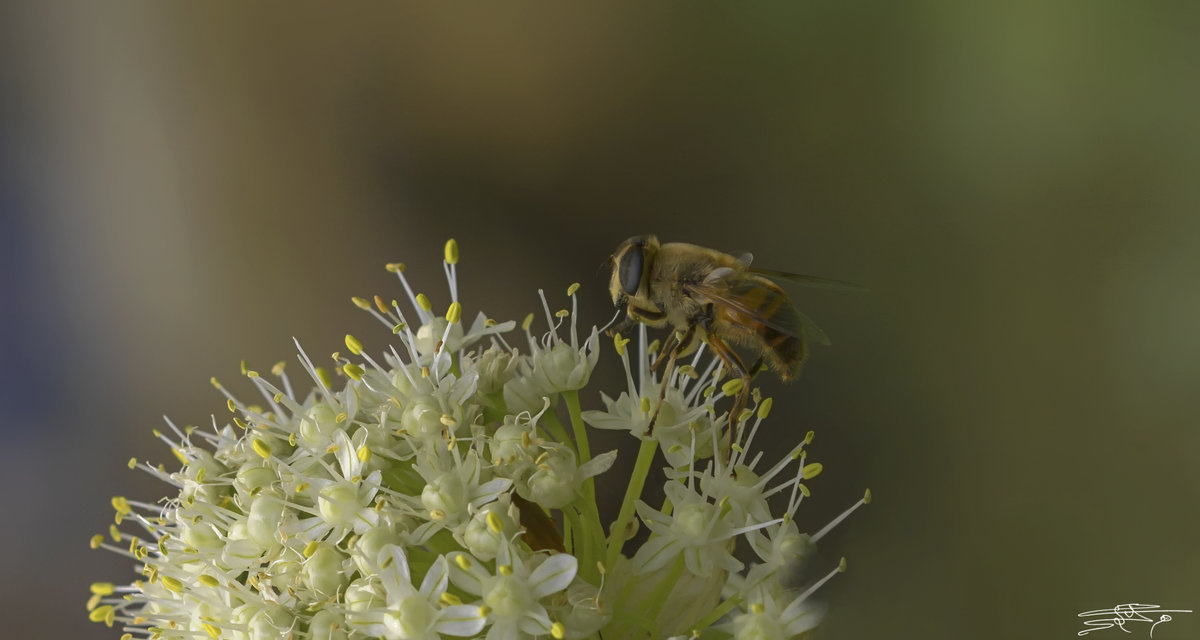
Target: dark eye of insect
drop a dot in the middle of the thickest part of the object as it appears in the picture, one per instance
(630, 269)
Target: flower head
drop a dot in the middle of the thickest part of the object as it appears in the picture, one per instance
(445, 487)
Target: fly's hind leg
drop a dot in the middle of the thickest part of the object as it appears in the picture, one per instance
(735, 365)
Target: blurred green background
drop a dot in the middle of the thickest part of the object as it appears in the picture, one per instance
(185, 186)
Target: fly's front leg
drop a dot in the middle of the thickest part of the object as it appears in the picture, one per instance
(668, 349)
(636, 315)
(678, 345)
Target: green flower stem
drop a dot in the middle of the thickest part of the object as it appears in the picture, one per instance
(581, 439)
(589, 509)
(637, 480)
(554, 428)
(716, 614)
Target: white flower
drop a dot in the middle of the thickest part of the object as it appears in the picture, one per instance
(411, 613)
(456, 462)
(512, 595)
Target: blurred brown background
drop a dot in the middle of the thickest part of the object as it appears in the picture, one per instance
(186, 186)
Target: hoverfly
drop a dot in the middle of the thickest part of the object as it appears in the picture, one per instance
(706, 296)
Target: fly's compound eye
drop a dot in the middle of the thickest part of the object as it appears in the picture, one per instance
(630, 268)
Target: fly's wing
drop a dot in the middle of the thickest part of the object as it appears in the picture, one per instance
(760, 301)
(809, 281)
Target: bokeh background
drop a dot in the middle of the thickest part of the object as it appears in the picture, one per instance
(186, 186)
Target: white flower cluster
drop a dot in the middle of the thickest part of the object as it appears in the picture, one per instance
(436, 492)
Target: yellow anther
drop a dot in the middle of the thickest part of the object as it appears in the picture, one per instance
(212, 631)
(448, 420)
(645, 404)
(804, 490)
(689, 371)
(485, 611)
(454, 313)
(842, 565)
(354, 344)
(452, 251)
(361, 303)
(654, 346)
(201, 474)
(353, 370)
(490, 322)
(395, 267)
(732, 387)
(278, 397)
(277, 368)
(620, 343)
(102, 614)
(463, 562)
(423, 302)
(573, 288)
(121, 505)
(103, 588)
(561, 313)
(238, 423)
(811, 470)
(114, 533)
(93, 601)
(451, 599)
(301, 488)
(493, 522)
(437, 514)
(252, 374)
(558, 631)
(261, 448)
(179, 456)
(311, 548)
(208, 580)
(867, 497)
(600, 568)
(232, 405)
(745, 415)
(505, 570)
(808, 437)
(757, 608)
(364, 454)
(324, 377)
(764, 408)
(398, 328)
(132, 464)
(171, 584)
(527, 322)
(242, 364)
(424, 372)
(380, 304)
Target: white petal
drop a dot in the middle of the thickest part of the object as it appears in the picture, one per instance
(489, 491)
(460, 620)
(800, 616)
(469, 580)
(435, 580)
(503, 630)
(654, 554)
(395, 576)
(598, 465)
(536, 622)
(346, 455)
(553, 575)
